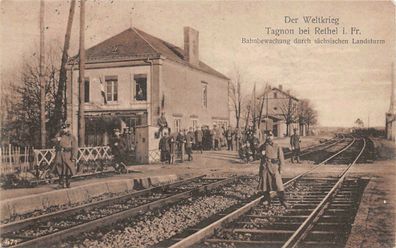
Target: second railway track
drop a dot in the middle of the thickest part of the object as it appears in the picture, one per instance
(46, 229)
(321, 212)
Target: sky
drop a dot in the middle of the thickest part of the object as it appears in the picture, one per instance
(344, 82)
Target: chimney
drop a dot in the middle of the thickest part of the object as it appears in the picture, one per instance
(280, 87)
(191, 45)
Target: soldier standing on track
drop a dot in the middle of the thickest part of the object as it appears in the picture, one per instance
(295, 146)
(189, 143)
(199, 139)
(270, 169)
(118, 148)
(66, 155)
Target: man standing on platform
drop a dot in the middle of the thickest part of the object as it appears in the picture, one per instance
(66, 155)
(199, 139)
(229, 134)
(164, 147)
(272, 161)
(295, 146)
(189, 143)
(118, 149)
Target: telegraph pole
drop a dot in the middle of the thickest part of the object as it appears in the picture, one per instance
(81, 126)
(41, 78)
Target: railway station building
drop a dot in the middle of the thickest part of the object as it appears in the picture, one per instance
(133, 77)
(276, 104)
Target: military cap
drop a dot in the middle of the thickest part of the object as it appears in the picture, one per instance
(65, 124)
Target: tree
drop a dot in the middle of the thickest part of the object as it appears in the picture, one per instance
(307, 114)
(359, 123)
(289, 112)
(60, 112)
(236, 97)
(22, 125)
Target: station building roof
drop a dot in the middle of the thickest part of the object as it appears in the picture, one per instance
(133, 44)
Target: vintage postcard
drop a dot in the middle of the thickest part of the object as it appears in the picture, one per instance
(197, 123)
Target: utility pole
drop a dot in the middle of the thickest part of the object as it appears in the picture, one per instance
(81, 126)
(41, 78)
(254, 108)
(60, 105)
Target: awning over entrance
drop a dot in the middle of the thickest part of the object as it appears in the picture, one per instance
(100, 125)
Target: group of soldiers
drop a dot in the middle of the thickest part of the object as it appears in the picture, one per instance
(270, 155)
(202, 138)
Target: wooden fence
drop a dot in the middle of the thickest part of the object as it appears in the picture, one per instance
(16, 159)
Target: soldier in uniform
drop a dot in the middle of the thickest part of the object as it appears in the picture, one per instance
(270, 170)
(229, 134)
(295, 146)
(189, 143)
(199, 139)
(164, 147)
(118, 148)
(66, 149)
(162, 123)
(172, 147)
(181, 142)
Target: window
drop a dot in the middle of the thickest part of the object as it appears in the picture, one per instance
(275, 108)
(140, 87)
(204, 94)
(111, 88)
(86, 90)
(177, 124)
(275, 95)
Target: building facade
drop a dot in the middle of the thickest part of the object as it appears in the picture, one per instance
(133, 77)
(280, 105)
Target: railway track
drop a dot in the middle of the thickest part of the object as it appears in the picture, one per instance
(42, 231)
(314, 148)
(46, 229)
(321, 212)
(321, 154)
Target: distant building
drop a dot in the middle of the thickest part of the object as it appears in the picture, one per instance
(390, 116)
(132, 77)
(278, 105)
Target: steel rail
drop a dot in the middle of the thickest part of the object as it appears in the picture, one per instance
(305, 152)
(51, 238)
(305, 227)
(339, 152)
(210, 229)
(326, 144)
(17, 225)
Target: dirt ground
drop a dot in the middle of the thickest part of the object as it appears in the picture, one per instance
(376, 220)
